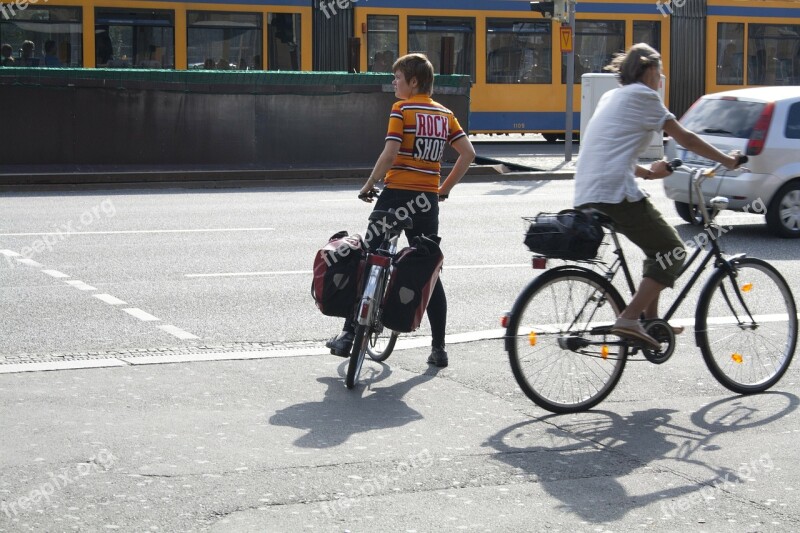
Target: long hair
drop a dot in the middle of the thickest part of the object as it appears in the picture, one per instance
(631, 66)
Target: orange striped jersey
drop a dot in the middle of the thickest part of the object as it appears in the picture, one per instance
(422, 127)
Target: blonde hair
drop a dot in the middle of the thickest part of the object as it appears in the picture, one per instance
(631, 66)
(416, 66)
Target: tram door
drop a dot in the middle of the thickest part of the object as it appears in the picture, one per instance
(335, 47)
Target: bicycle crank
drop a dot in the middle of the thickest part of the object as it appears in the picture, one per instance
(661, 331)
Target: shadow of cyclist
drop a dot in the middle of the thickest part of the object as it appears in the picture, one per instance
(600, 447)
(343, 413)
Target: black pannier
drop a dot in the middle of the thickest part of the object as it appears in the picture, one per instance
(416, 270)
(569, 234)
(338, 268)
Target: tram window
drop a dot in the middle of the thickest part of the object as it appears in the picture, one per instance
(224, 40)
(382, 42)
(773, 54)
(449, 43)
(126, 38)
(283, 41)
(595, 43)
(518, 51)
(647, 31)
(730, 53)
(41, 24)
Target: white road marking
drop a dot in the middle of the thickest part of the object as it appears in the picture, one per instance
(30, 262)
(80, 285)
(234, 274)
(177, 332)
(9, 253)
(107, 298)
(55, 273)
(14, 368)
(297, 272)
(141, 315)
(125, 232)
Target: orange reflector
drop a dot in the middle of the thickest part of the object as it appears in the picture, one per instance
(747, 287)
(737, 358)
(539, 262)
(504, 321)
(532, 338)
(604, 351)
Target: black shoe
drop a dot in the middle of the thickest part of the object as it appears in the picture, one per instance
(341, 344)
(438, 357)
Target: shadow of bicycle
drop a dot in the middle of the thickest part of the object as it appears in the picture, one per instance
(343, 413)
(600, 448)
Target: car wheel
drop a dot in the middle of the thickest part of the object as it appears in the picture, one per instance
(783, 213)
(689, 213)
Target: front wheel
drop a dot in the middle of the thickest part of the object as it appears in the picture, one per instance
(746, 326)
(689, 213)
(381, 344)
(357, 356)
(559, 343)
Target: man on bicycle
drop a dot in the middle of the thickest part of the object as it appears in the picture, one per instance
(418, 130)
(619, 131)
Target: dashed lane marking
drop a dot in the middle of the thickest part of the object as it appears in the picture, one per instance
(80, 285)
(107, 298)
(55, 273)
(141, 315)
(177, 332)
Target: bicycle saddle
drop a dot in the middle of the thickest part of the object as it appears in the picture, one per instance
(390, 219)
(601, 217)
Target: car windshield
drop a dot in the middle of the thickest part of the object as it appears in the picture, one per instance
(723, 117)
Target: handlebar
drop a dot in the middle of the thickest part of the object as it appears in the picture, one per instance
(677, 163)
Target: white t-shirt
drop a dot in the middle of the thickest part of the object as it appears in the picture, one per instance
(618, 133)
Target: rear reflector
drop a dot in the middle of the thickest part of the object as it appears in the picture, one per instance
(539, 262)
(759, 136)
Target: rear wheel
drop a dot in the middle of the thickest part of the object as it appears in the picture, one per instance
(689, 213)
(747, 326)
(556, 340)
(357, 356)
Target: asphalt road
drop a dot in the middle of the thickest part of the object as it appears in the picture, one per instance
(272, 441)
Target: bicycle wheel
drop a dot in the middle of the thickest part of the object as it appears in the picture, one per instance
(360, 342)
(747, 326)
(555, 340)
(381, 343)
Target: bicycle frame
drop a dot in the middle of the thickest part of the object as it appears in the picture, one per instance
(698, 176)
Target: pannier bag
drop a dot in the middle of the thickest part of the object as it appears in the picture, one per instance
(416, 270)
(337, 274)
(569, 234)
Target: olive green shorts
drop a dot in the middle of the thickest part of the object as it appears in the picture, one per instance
(644, 225)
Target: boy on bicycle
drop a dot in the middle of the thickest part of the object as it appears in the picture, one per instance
(410, 166)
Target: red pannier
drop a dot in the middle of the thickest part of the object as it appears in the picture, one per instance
(337, 274)
(416, 270)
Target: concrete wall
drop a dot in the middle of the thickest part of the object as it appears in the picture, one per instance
(257, 122)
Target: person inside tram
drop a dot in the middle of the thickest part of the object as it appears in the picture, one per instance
(51, 54)
(6, 56)
(27, 53)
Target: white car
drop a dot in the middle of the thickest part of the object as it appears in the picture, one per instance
(762, 122)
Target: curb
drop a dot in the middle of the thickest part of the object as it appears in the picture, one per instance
(221, 179)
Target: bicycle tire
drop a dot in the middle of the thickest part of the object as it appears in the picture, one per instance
(356, 356)
(380, 345)
(536, 329)
(730, 346)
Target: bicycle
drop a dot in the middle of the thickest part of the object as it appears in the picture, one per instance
(370, 335)
(558, 334)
